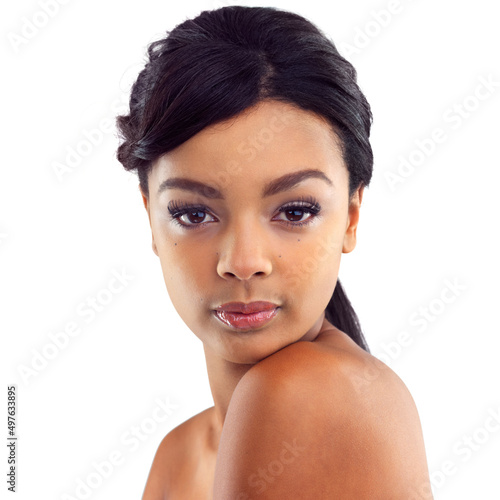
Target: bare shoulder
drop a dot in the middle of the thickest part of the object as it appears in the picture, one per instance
(326, 418)
(173, 452)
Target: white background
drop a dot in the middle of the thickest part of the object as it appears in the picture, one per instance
(62, 237)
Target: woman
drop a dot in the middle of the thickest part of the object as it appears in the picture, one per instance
(250, 138)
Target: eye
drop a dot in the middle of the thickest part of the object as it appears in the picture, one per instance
(188, 216)
(295, 211)
(292, 214)
(193, 217)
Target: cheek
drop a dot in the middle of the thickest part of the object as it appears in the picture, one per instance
(182, 263)
(187, 275)
(309, 276)
(314, 261)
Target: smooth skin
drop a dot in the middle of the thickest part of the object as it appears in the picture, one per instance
(300, 411)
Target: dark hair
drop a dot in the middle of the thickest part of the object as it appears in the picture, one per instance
(213, 67)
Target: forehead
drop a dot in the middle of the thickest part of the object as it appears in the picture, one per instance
(266, 141)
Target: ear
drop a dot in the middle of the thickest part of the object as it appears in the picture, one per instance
(352, 220)
(145, 200)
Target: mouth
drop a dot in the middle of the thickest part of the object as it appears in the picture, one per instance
(246, 316)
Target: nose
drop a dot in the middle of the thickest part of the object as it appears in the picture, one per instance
(244, 252)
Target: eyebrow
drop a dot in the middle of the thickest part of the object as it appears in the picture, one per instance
(283, 183)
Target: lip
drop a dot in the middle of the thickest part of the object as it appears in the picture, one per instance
(241, 307)
(246, 316)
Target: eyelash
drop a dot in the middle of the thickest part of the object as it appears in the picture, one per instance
(304, 204)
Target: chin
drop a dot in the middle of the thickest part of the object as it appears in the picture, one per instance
(250, 347)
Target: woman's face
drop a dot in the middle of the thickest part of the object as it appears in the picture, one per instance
(269, 219)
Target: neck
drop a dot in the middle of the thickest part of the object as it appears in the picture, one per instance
(223, 377)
